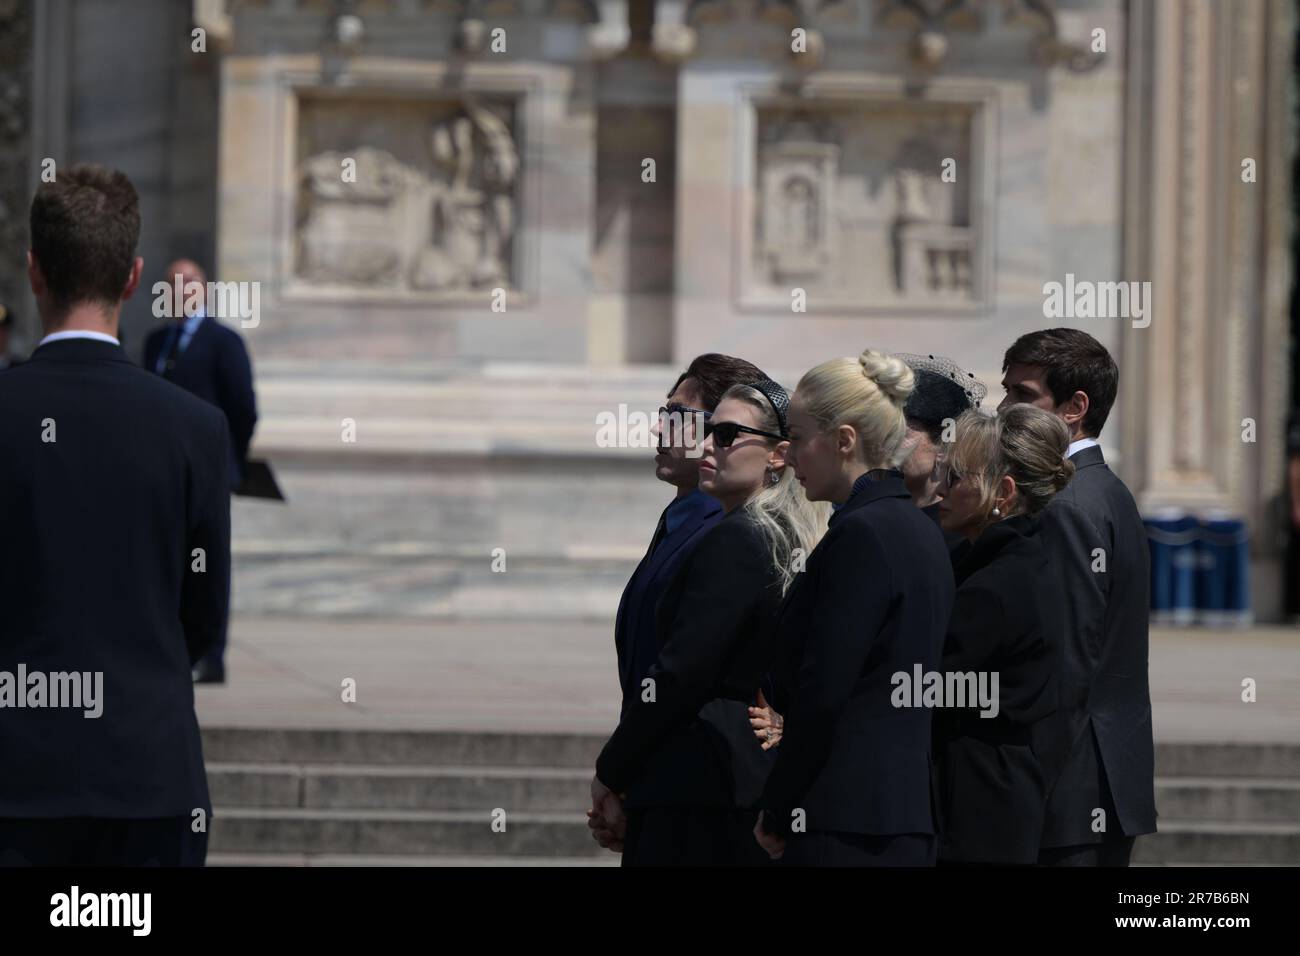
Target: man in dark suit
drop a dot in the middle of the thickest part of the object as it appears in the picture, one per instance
(207, 358)
(114, 560)
(686, 756)
(1105, 796)
(681, 526)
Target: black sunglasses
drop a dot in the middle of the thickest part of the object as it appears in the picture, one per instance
(724, 433)
(670, 415)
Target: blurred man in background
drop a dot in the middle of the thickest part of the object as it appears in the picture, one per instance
(207, 358)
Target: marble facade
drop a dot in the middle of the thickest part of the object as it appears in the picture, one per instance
(905, 174)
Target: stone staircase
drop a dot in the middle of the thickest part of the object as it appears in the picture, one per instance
(1225, 804)
(321, 798)
(325, 797)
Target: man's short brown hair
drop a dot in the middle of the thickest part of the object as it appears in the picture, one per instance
(713, 374)
(1072, 361)
(85, 227)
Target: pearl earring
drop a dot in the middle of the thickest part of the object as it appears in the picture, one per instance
(997, 513)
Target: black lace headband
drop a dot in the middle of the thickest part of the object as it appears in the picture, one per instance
(778, 398)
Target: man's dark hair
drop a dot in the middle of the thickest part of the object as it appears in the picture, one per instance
(1072, 361)
(85, 227)
(713, 374)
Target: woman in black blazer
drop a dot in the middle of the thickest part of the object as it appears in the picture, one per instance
(684, 766)
(1007, 620)
(851, 784)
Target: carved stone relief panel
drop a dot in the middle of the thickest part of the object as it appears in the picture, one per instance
(799, 163)
(428, 204)
(865, 204)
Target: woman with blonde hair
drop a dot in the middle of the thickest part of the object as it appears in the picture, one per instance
(998, 756)
(851, 781)
(683, 755)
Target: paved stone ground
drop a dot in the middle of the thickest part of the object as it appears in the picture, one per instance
(560, 677)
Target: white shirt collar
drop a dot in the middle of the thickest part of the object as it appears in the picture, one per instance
(1080, 445)
(78, 334)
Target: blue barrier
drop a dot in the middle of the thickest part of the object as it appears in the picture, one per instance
(1200, 568)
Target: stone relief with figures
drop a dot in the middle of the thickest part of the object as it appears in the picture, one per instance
(851, 202)
(437, 218)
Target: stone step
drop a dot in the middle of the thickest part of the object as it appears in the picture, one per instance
(404, 410)
(398, 788)
(460, 555)
(327, 833)
(1184, 864)
(1233, 760)
(371, 586)
(1194, 842)
(339, 797)
(401, 832)
(240, 745)
(1258, 799)
(324, 859)
(470, 748)
(389, 787)
(388, 525)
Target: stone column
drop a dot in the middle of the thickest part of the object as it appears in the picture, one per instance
(17, 30)
(1208, 91)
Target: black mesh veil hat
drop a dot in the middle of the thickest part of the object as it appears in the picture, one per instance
(943, 389)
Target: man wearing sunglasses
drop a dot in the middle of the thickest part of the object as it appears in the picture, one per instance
(680, 430)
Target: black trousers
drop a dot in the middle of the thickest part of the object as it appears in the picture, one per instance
(691, 836)
(830, 848)
(1112, 852)
(216, 657)
(94, 841)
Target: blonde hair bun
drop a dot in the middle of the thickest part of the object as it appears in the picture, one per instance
(891, 374)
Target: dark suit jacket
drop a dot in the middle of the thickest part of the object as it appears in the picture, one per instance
(693, 744)
(958, 546)
(957, 543)
(872, 601)
(1104, 686)
(97, 534)
(1007, 618)
(636, 640)
(216, 368)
